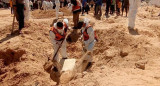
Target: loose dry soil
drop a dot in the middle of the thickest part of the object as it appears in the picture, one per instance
(121, 59)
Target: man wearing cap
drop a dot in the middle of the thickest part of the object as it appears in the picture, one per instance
(89, 38)
(57, 37)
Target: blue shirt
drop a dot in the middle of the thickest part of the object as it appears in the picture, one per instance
(83, 2)
(99, 2)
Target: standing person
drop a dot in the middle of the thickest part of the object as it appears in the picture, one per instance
(11, 5)
(84, 3)
(76, 9)
(98, 9)
(19, 12)
(108, 5)
(112, 6)
(65, 3)
(57, 36)
(122, 5)
(95, 7)
(133, 7)
(61, 3)
(57, 2)
(87, 8)
(125, 6)
(39, 4)
(27, 11)
(31, 5)
(7, 3)
(89, 39)
(118, 6)
(92, 3)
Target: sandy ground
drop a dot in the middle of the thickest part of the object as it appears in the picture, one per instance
(121, 58)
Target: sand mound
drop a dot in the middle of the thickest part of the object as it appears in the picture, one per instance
(10, 56)
(27, 65)
(120, 59)
(39, 14)
(151, 12)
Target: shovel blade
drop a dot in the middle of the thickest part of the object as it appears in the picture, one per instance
(55, 76)
(55, 72)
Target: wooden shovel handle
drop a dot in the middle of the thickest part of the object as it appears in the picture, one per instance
(13, 24)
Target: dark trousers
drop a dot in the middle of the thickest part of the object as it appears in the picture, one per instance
(107, 8)
(118, 10)
(112, 9)
(95, 9)
(126, 9)
(91, 5)
(83, 10)
(98, 10)
(20, 12)
(11, 10)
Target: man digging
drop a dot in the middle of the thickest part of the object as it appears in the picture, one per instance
(89, 40)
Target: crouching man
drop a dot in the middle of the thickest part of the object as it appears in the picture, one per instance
(57, 37)
(89, 39)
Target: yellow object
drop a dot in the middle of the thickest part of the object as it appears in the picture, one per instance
(119, 5)
(10, 3)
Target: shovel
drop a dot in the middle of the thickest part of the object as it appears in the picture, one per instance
(81, 65)
(55, 71)
(13, 24)
(55, 63)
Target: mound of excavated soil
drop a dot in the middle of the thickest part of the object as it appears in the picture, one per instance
(120, 58)
(149, 12)
(39, 14)
(10, 56)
